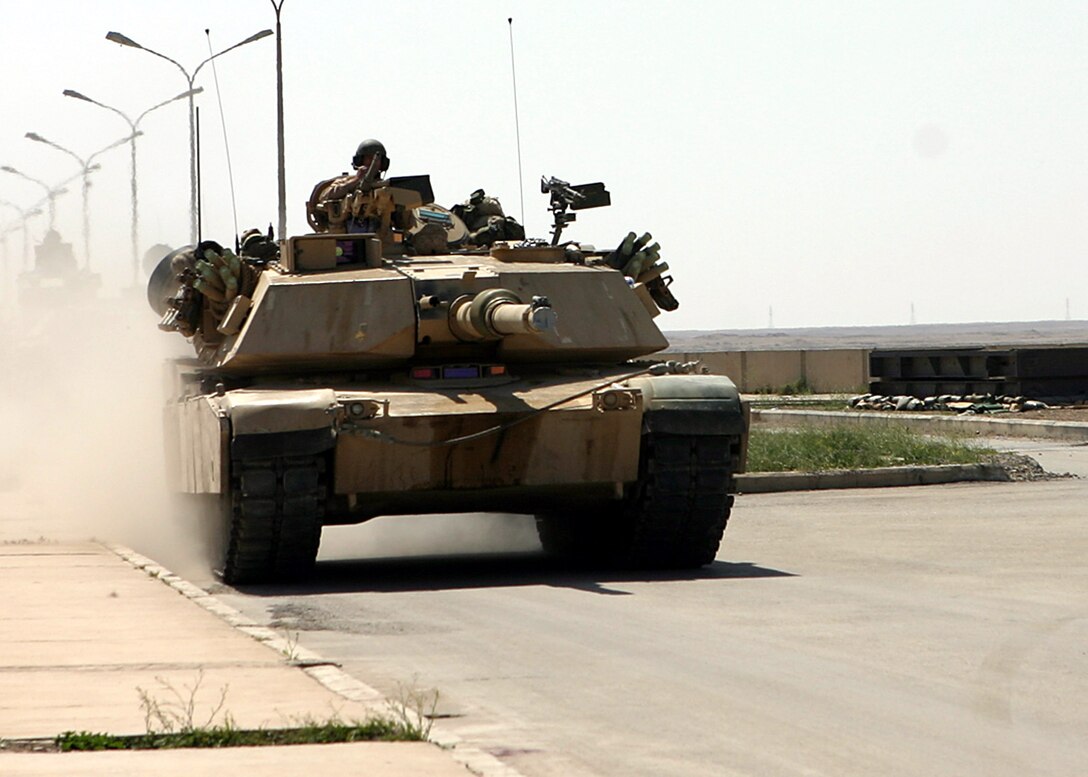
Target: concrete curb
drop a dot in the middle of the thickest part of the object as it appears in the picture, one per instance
(327, 673)
(774, 482)
(1069, 431)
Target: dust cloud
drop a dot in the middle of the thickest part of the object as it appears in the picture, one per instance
(81, 399)
(82, 391)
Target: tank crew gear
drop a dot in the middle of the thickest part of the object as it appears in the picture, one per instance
(370, 148)
(486, 220)
(430, 238)
(564, 197)
(632, 255)
(153, 256)
(213, 287)
(256, 244)
(638, 259)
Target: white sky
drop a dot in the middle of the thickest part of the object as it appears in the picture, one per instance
(834, 161)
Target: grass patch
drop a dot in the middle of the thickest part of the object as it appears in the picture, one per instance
(374, 730)
(820, 449)
(171, 719)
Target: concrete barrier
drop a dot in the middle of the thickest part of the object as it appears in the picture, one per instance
(773, 482)
(823, 371)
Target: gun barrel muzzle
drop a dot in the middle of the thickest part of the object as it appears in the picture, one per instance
(498, 313)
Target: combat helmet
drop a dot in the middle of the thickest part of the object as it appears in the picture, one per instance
(370, 146)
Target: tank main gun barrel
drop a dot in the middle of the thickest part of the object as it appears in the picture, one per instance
(498, 313)
(513, 319)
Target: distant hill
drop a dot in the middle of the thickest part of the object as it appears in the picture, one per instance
(973, 335)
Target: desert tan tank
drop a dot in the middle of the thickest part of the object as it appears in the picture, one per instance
(340, 377)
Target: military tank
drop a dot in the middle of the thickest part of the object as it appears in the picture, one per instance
(344, 376)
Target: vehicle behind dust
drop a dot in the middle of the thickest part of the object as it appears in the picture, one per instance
(349, 379)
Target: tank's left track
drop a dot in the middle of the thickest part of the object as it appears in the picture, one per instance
(276, 508)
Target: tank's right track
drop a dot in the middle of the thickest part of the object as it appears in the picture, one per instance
(673, 517)
(276, 511)
(682, 502)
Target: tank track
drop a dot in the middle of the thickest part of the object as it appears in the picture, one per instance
(683, 499)
(673, 517)
(276, 511)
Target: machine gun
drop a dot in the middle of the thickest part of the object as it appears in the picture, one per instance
(564, 197)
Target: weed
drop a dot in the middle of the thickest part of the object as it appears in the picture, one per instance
(88, 740)
(177, 712)
(290, 646)
(414, 709)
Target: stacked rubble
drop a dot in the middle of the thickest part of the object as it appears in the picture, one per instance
(968, 404)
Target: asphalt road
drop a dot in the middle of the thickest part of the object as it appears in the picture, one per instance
(938, 630)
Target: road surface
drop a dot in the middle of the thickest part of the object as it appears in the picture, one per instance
(938, 630)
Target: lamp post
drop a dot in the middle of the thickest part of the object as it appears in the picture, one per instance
(282, 233)
(134, 126)
(51, 192)
(87, 169)
(25, 215)
(117, 37)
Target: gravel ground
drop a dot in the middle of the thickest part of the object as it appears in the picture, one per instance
(1021, 467)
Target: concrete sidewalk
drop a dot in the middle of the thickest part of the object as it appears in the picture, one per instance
(83, 632)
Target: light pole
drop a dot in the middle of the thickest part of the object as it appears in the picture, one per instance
(51, 192)
(117, 37)
(134, 126)
(87, 169)
(25, 215)
(282, 233)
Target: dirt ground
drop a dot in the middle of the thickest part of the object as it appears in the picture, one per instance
(1070, 413)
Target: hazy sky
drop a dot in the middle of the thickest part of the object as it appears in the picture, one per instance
(835, 161)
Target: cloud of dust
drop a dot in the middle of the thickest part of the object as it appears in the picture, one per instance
(83, 389)
(81, 404)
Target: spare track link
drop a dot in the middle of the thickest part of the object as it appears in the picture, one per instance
(277, 507)
(682, 503)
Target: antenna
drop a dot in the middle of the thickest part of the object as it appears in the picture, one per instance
(517, 123)
(223, 122)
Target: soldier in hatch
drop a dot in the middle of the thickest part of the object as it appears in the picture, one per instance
(347, 204)
(360, 201)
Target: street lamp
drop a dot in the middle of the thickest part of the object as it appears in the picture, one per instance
(133, 125)
(124, 40)
(51, 192)
(87, 169)
(277, 7)
(25, 215)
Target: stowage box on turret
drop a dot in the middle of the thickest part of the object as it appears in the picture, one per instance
(342, 377)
